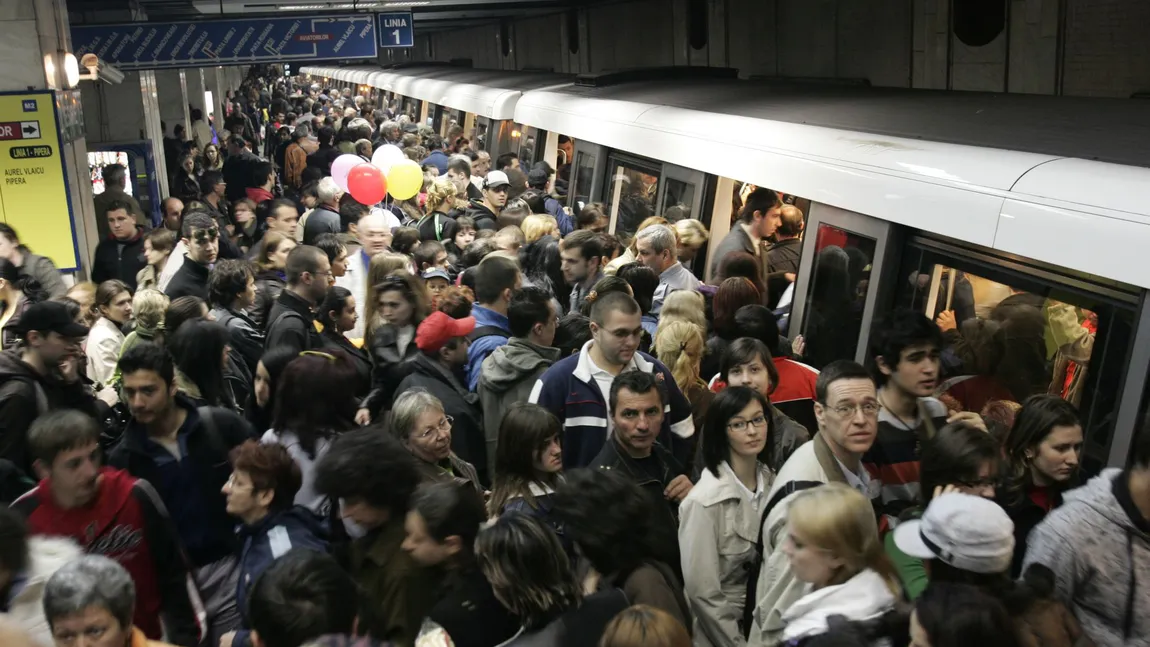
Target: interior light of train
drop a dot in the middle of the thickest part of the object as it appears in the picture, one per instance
(516, 133)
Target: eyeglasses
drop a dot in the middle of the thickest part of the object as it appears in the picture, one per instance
(740, 426)
(869, 409)
(444, 426)
(204, 235)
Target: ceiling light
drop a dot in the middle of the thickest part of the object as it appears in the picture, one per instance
(392, 5)
(71, 70)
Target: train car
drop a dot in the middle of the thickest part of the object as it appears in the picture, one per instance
(1024, 216)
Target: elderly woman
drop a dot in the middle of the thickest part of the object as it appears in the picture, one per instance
(418, 420)
(93, 597)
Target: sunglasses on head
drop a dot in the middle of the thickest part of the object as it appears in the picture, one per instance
(204, 235)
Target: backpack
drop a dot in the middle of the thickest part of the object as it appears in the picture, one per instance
(487, 331)
(756, 564)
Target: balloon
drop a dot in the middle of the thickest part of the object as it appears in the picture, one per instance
(387, 156)
(404, 180)
(342, 166)
(365, 183)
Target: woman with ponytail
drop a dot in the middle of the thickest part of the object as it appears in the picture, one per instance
(679, 345)
(17, 292)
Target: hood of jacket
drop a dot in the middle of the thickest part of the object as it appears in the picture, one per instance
(131, 241)
(45, 556)
(115, 489)
(477, 209)
(512, 363)
(11, 366)
(862, 597)
(1098, 497)
(296, 519)
(258, 194)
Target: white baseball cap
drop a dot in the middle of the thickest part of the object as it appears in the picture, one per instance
(967, 532)
(497, 179)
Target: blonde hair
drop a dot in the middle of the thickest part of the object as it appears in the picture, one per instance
(538, 225)
(691, 233)
(271, 244)
(148, 308)
(440, 194)
(682, 305)
(679, 345)
(839, 519)
(648, 222)
(645, 626)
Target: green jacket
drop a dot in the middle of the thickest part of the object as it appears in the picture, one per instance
(911, 570)
(400, 593)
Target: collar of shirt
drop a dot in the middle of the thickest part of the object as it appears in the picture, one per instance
(860, 481)
(760, 489)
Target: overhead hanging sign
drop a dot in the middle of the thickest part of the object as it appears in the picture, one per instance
(150, 46)
(395, 30)
(33, 192)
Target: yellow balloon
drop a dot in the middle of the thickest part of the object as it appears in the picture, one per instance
(404, 180)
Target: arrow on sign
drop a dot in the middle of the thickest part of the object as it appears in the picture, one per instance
(30, 129)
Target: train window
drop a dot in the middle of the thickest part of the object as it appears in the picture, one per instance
(631, 187)
(584, 178)
(833, 313)
(527, 138)
(678, 196)
(1010, 337)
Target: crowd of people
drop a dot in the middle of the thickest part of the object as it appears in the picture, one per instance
(476, 418)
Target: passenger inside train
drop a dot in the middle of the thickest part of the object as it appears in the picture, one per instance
(569, 394)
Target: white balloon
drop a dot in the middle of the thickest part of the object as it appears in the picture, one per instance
(341, 167)
(386, 156)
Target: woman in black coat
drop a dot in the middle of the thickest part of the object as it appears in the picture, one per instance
(337, 315)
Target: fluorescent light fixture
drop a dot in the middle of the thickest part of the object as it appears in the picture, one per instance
(393, 5)
(328, 6)
(50, 70)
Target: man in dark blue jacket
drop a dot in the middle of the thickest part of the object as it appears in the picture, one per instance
(438, 157)
(578, 388)
(261, 494)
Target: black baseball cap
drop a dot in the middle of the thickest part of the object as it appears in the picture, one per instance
(537, 178)
(50, 316)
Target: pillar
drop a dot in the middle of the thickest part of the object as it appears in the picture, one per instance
(34, 33)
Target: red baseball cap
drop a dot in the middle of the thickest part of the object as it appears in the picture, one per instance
(440, 328)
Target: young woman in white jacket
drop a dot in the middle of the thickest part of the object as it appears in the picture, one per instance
(719, 519)
(114, 303)
(833, 546)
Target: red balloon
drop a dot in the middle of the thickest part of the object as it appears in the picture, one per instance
(366, 184)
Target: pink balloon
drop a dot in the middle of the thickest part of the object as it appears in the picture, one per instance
(365, 183)
(342, 166)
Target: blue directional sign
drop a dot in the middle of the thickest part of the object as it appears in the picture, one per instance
(395, 30)
(149, 46)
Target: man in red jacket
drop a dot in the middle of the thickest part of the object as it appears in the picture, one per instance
(109, 512)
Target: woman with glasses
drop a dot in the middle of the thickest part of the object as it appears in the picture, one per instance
(419, 421)
(719, 520)
(747, 362)
(402, 302)
(958, 458)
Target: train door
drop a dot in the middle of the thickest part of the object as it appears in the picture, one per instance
(837, 286)
(680, 193)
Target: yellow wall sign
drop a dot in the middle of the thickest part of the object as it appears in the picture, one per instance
(33, 192)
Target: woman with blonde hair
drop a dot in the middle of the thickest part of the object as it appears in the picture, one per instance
(148, 308)
(645, 626)
(833, 546)
(537, 225)
(679, 345)
(682, 305)
(271, 277)
(692, 235)
(84, 294)
(437, 224)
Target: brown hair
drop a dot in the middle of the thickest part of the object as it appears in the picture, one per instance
(270, 467)
(272, 242)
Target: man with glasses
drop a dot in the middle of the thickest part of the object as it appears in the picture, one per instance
(201, 237)
(485, 212)
(439, 369)
(291, 322)
(40, 375)
(846, 408)
(578, 388)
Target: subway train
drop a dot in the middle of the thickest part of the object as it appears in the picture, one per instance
(1026, 216)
